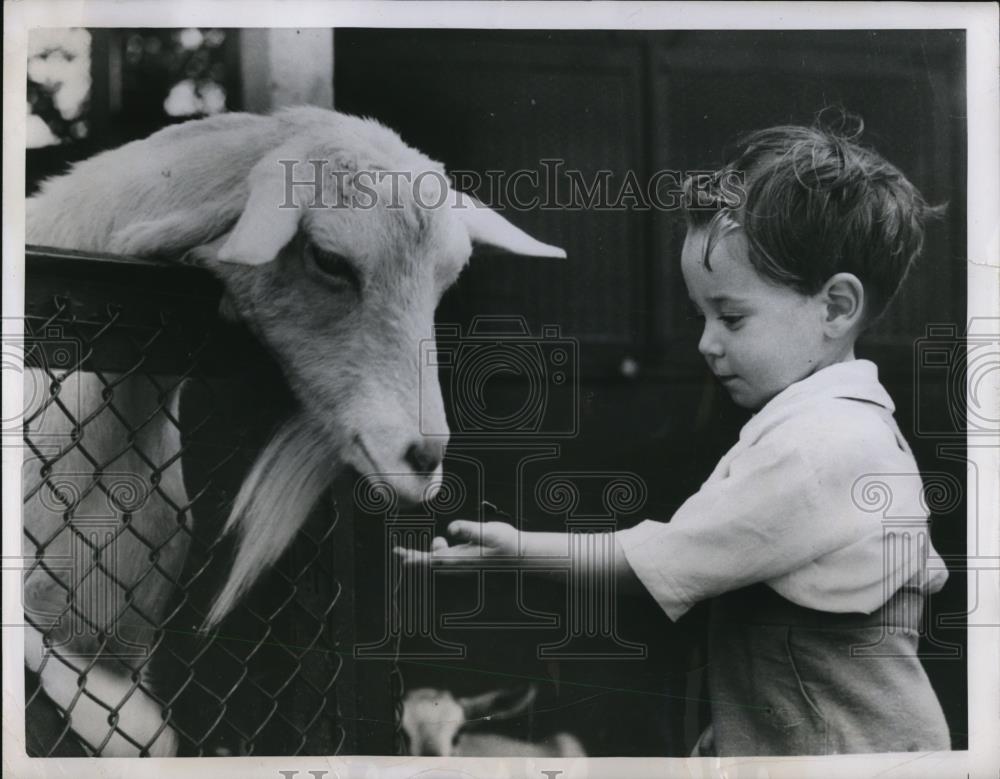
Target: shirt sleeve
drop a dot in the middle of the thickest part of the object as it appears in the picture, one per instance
(769, 515)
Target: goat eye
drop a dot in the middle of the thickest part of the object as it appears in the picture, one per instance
(333, 265)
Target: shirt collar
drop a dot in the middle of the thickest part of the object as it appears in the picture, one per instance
(854, 379)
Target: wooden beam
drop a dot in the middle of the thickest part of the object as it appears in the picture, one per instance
(286, 67)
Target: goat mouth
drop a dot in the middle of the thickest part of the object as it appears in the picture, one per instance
(372, 466)
(412, 488)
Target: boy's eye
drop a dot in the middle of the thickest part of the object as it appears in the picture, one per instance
(731, 320)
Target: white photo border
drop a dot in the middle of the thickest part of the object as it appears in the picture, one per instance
(980, 23)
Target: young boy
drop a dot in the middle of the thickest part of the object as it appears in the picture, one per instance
(816, 601)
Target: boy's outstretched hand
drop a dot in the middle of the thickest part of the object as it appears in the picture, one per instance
(499, 543)
(469, 540)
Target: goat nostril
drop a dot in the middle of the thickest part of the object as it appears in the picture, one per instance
(425, 456)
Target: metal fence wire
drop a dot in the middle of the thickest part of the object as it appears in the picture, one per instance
(277, 677)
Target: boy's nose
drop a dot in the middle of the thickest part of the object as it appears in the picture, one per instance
(709, 345)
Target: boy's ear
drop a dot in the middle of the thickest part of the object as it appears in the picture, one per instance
(843, 295)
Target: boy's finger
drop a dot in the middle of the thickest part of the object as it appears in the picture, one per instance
(438, 543)
(458, 553)
(463, 530)
(411, 556)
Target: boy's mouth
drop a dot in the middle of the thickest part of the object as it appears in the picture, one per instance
(726, 378)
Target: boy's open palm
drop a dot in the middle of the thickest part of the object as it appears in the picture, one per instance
(469, 540)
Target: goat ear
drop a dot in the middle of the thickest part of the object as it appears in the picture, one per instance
(498, 704)
(271, 215)
(487, 226)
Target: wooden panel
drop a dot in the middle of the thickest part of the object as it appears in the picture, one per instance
(506, 102)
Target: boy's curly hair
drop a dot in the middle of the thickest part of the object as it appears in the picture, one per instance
(813, 203)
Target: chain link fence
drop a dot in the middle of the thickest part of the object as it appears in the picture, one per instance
(142, 402)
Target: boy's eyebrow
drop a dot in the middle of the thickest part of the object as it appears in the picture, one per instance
(726, 299)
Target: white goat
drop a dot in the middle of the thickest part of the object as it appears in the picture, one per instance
(341, 296)
(436, 723)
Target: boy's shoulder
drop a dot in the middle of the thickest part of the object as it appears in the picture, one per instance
(841, 404)
(843, 432)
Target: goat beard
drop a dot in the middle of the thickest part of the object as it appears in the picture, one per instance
(274, 501)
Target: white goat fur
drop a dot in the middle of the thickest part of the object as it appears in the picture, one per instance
(437, 724)
(209, 189)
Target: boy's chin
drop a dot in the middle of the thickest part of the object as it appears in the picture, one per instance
(744, 397)
(749, 405)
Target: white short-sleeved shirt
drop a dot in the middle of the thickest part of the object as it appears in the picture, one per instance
(801, 502)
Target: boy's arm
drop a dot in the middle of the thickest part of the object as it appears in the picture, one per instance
(498, 541)
(593, 563)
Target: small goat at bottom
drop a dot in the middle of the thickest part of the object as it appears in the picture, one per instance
(436, 723)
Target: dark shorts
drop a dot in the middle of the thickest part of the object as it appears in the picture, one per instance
(787, 680)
